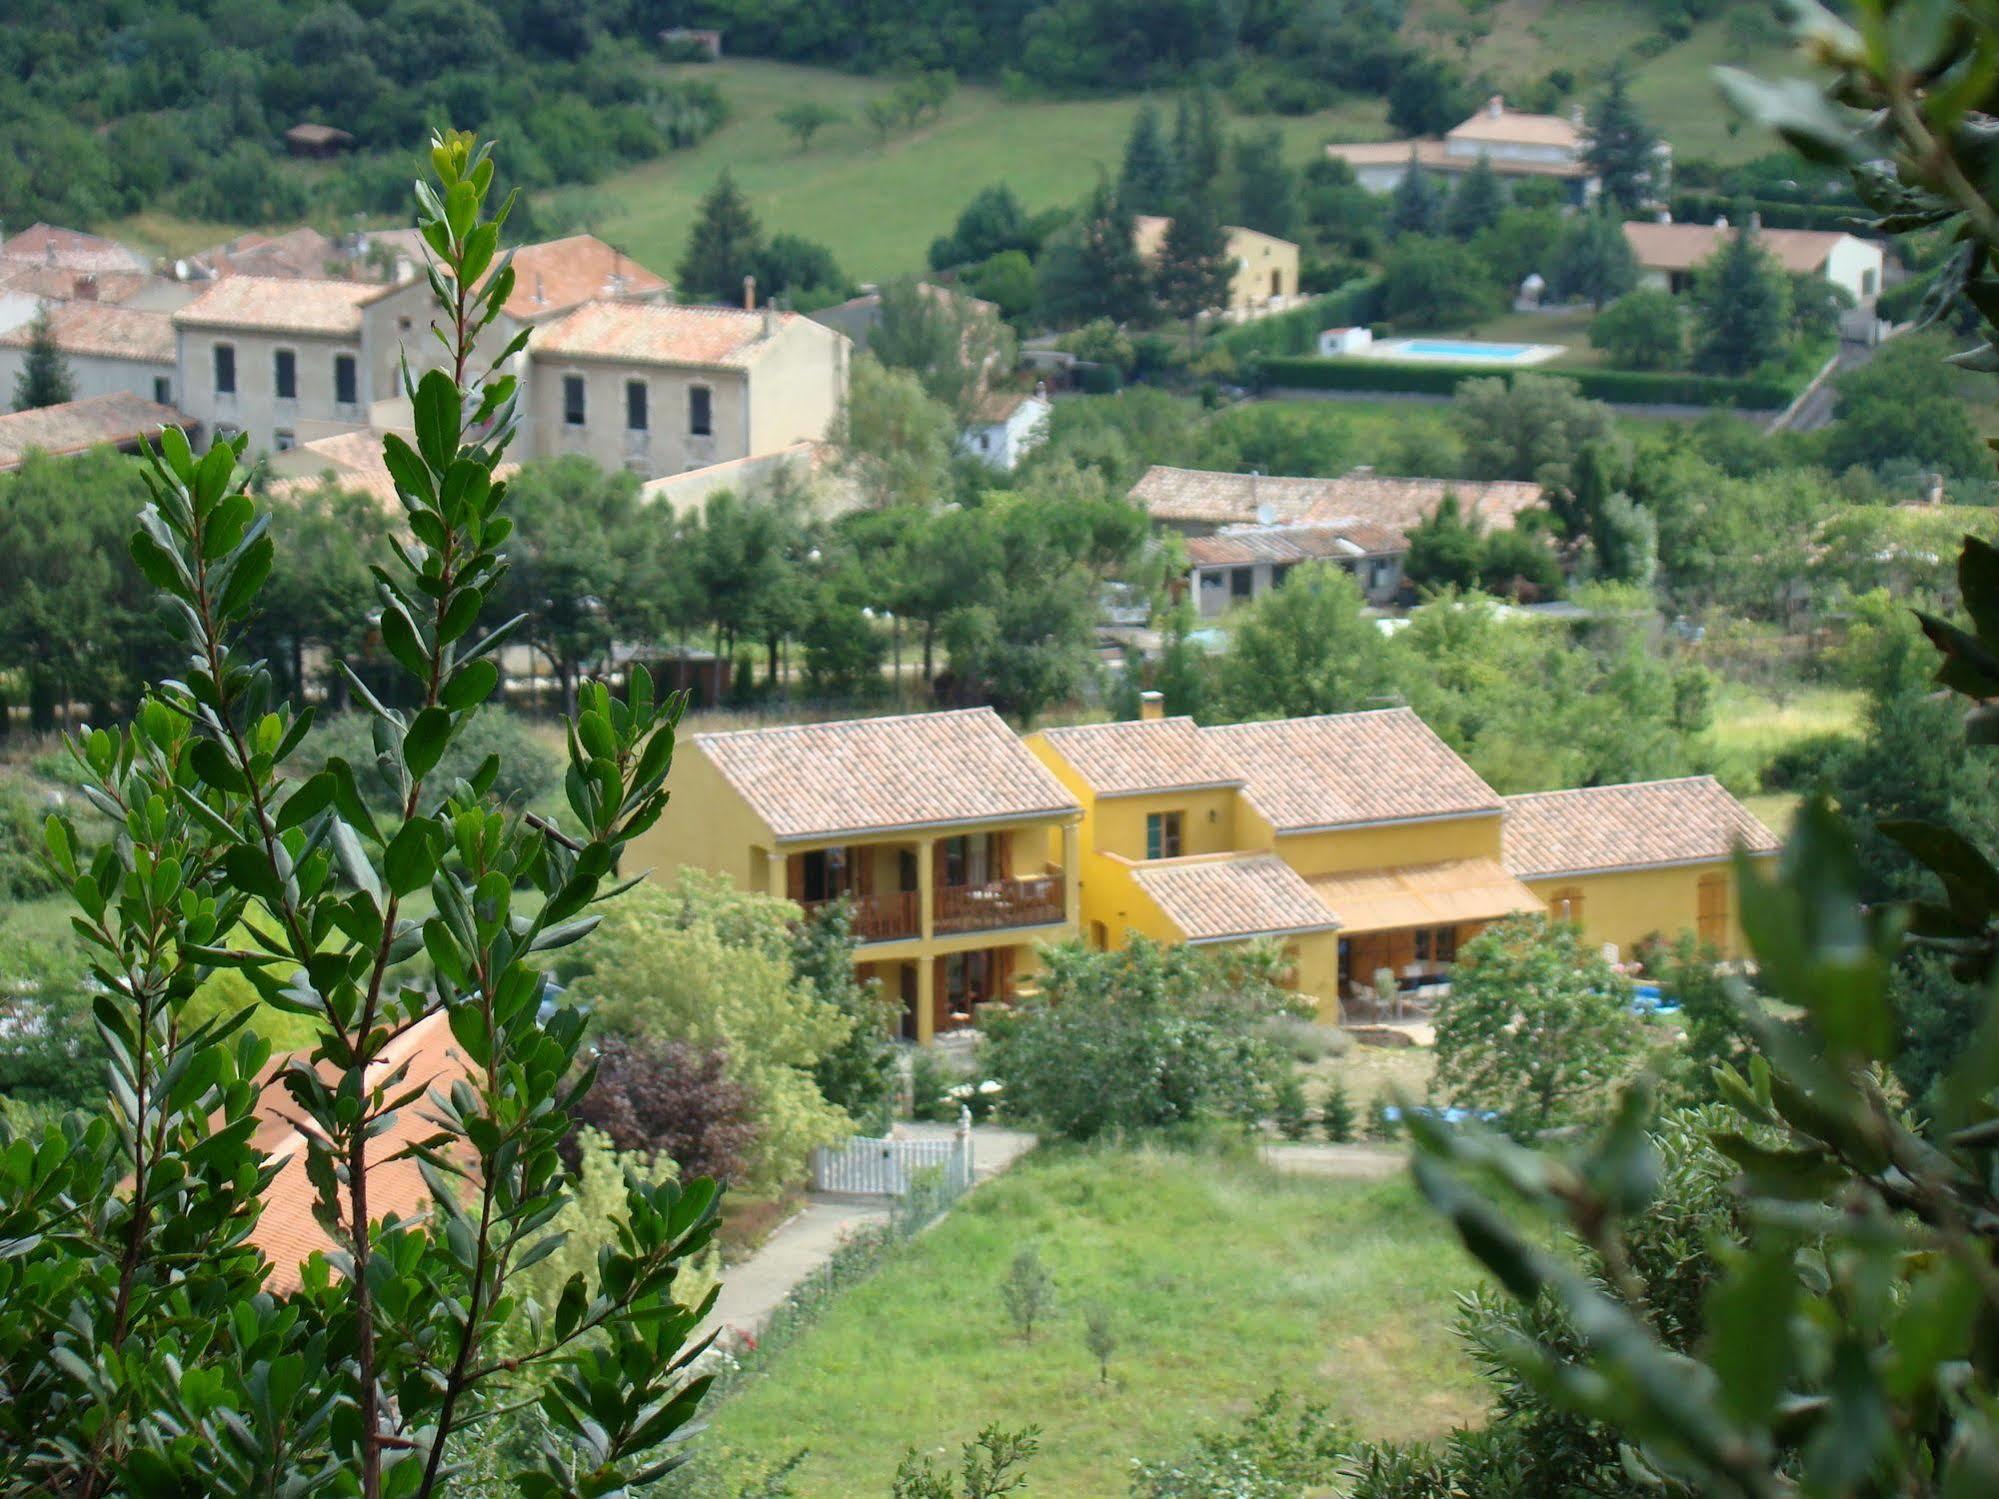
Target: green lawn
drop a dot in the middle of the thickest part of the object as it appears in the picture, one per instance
(1223, 1278)
(877, 205)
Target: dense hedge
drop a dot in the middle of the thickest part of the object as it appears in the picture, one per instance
(1619, 387)
(1297, 331)
(1836, 218)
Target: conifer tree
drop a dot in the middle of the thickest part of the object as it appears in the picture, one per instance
(723, 245)
(1476, 202)
(1194, 269)
(1148, 179)
(1743, 304)
(1620, 149)
(1415, 206)
(45, 378)
(1266, 189)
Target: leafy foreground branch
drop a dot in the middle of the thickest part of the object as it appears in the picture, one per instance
(139, 1349)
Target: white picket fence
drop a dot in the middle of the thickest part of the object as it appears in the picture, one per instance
(871, 1167)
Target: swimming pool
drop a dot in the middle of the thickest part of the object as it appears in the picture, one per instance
(1462, 351)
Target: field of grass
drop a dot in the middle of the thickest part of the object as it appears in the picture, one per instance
(1750, 727)
(1222, 1278)
(878, 204)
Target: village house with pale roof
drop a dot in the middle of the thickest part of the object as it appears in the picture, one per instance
(1199, 502)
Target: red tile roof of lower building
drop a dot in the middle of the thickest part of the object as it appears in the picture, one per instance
(1216, 898)
(1687, 821)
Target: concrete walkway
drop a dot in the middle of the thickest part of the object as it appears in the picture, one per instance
(796, 1250)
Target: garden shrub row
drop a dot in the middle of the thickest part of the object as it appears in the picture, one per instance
(1297, 331)
(1619, 387)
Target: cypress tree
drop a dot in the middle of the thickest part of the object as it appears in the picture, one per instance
(1620, 146)
(1744, 304)
(723, 246)
(1194, 268)
(1414, 208)
(1266, 189)
(1476, 202)
(1147, 182)
(45, 378)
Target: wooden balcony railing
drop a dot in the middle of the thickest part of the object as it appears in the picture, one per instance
(882, 918)
(1002, 903)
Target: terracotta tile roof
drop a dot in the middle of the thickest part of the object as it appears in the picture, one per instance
(641, 332)
(72, 250)
(1441, 894)
(1205, 497)
(1687, 821)
(1129, 759)
(1346, 768)
(288, 1233)
(104, 330)
(559, 274)
(1239, 545)
(1232, 896)
(120, 420)
(1682, 247)
(302, 305)
(1435, 156)
(877, 774)
(1517, 127)
(54, 283)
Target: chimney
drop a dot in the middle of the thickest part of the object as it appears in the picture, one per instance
(1496, 105)
(749, 293)
(1151, 707)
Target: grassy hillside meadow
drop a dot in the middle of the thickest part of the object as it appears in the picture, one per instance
(1221, 1278)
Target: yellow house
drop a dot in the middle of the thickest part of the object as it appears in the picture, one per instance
(1266, 267)
(956, 847)
(1626, 863)
(1363, 843)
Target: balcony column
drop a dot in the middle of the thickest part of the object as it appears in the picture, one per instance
(926, 997)
(1072, 874)
(926, 905)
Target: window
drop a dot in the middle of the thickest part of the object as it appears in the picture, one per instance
(346, 380)
(635, 405)
(701, 411)
(1162, 835)
(1241, 581)
(572, 400)
(225, 369)
(284, 374)
(163, 390)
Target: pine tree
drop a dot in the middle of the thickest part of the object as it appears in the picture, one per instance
(1476, 202)
(1621, 148)
(1266, 189)
(1110, 256)
(722, 247)
(1148, 180)
(1594, 262)
(1415, 206)
(1194, 268)
(1744, 305)
(44, 379)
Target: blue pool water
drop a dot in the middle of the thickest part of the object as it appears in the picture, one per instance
(1443, 348)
